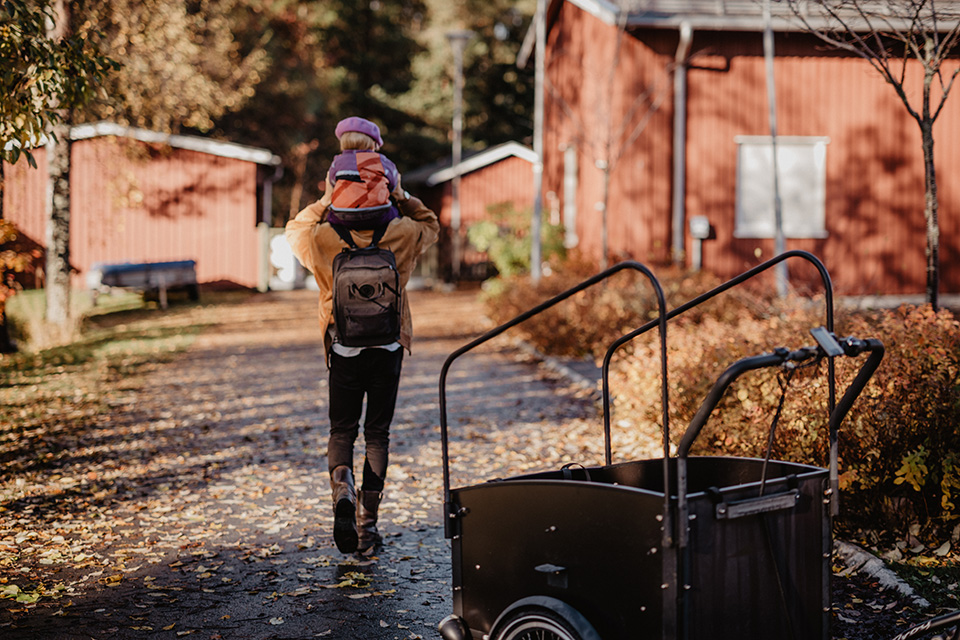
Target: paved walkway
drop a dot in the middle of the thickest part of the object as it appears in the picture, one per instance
(200, 505)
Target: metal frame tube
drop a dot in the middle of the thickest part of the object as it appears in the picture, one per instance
(489, 335)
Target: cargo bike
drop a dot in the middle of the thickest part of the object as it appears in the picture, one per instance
(678, 547)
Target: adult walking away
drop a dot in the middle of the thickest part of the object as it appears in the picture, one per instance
(360, 371)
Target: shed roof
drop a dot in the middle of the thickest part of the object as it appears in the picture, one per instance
(444, 171)
(192, 143)
(746, 15)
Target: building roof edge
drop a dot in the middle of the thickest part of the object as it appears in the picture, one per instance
(191, 143)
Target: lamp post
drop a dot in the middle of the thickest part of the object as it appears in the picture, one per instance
(458, 41)
(779, 239)
(541, 45)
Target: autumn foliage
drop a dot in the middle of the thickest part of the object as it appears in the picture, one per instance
(13, 260)
(589, 321)
(899, 445)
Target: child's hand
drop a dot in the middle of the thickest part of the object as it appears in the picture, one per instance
(398, 193)
(327, 199)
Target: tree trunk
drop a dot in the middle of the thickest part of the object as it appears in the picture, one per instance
(930, 204)
(58, 198)
(6, 344)
(58, 226)
(931, 215)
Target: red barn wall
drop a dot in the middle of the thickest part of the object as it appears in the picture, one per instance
(24, 196)
(874, 199)
(134, 202)
(509, 181)
(874, 192)
(578, 113)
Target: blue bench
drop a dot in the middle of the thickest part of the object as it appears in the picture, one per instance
(150, 278)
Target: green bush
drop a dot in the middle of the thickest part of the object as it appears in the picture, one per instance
(505, 238)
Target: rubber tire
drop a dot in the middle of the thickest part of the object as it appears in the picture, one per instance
(538, 623)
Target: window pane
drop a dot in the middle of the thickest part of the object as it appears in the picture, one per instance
(802, 173)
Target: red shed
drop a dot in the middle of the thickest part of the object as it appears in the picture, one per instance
(681, 100)
(499, 175)
(144, 196)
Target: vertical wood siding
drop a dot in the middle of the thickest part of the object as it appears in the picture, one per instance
(133, 202)
(24, 197)
(874, 191)
(582, 112)
(507, 182)
(874, 207)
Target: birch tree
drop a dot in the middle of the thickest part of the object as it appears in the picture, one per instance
(179, 67)
(43, 74)
(900, 40)
(40, 74)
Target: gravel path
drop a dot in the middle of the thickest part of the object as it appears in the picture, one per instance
(200, 505)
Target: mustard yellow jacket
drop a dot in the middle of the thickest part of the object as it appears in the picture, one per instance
(315, 244)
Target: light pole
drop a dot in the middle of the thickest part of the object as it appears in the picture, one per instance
(779, 241)
(541, 36)
(458, 41)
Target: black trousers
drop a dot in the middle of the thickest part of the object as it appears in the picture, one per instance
(374, 374)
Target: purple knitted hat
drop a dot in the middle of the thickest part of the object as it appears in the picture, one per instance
(359, 125)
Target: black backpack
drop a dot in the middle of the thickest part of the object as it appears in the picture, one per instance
(366, 293)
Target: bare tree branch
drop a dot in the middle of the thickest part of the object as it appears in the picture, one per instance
(580, 137)
(946, 92)
(659, 90)
(874, 30)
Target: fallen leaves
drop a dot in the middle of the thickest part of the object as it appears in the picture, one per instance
(14, 592)
(199, 490)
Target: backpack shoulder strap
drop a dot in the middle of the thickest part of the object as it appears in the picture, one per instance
(378, 235)
(344, 234)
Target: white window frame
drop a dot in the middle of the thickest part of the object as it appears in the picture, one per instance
(802, 167)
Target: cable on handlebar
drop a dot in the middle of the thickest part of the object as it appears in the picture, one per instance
(784, 385)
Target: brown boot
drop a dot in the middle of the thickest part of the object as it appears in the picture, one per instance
(344, 509)
(369, 504)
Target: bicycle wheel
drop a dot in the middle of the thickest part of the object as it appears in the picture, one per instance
(945, 627)
(543, 624)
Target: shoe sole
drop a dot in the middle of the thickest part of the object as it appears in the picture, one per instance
(370, 546)
(345, 526)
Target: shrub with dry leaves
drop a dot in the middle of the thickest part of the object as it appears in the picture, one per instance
(899, 445)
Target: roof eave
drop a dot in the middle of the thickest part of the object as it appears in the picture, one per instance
(191, 143)
(742, 16)
(703, 22)
(481, 160)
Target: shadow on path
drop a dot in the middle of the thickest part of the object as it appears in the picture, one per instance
(198, 506)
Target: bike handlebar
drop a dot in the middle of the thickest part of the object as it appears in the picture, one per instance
(851, 347)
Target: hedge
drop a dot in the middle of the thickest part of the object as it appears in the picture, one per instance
(899, 445)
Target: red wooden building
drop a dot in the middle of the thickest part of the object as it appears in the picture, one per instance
(677, 109)
(143, 196)
(500, 175)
